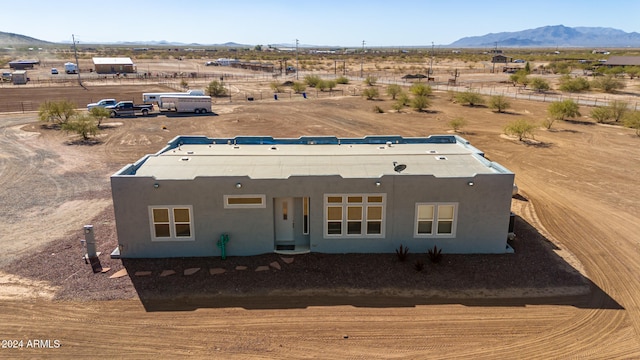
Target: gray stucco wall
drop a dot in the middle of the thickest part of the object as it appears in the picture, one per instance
(482, 215)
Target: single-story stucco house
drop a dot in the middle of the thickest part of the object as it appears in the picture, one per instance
(311, 194)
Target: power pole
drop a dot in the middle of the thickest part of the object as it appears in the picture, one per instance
(362, 61)
(431, 64)
(75, 51)
(297, 67)
(493, 59)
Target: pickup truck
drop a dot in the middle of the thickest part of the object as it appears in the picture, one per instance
(102, 103)
(128, 108)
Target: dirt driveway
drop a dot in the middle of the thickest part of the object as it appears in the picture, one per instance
(580, 181)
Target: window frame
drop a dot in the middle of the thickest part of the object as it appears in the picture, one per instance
(364, 220)
(262, 205)
(434, 221)
(172, 223)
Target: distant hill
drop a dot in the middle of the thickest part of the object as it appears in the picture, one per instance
(554, 36)
(7, 39)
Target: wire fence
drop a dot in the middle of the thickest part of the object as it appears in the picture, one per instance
(354, 88)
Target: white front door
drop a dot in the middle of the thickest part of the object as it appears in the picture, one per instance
(284, 215)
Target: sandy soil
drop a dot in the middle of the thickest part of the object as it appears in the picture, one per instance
(578, 191)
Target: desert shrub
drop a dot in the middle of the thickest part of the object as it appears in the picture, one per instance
(632, 120)
(521, 128)
(342, 80)
(378, 109)
(57, 112)
(418, 265)
(275, 86)
(457, 123)
(470, 98)
(618, 109)
(321, 85)
(435, 254)
(298, 87)
(601, 114)
(519, 77)
(499, 103)
(370, 80)
(330, 84)
(84, 125)
(574, 85)
(607, 83)
(632, 71)
(398, 106)
(539, 84)
(402, 253)
(559, 110)
(394, 90)
(312, 80)
(370, 93)
(99, 114)
(420, 89)
(403, 99)
(420, 102)
(215, 88)
(560, 67)
(184, 84)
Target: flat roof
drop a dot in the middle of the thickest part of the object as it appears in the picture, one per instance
(112, 61)
(268, 158)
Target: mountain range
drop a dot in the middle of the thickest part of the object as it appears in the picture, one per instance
(554, 36)
(546, 36)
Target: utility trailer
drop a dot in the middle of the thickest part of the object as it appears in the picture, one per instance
(189, 103)
(150, 98)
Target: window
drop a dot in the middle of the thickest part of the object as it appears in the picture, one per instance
(436, 219)
(354, 215)
(244, 201)
(171, 223)
(305, 216)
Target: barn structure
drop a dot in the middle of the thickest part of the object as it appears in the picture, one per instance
(311, 194)
(23, 64)
(623, 61)
(113, 65)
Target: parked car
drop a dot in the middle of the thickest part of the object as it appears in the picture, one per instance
(102, 103)
(54, 71)
(519, 61)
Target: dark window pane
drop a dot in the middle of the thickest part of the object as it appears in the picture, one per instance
(374, 227)
(334, 228)
(425, 227)
(183, 230)
(445, 227)
(354, 227)
(162, 230)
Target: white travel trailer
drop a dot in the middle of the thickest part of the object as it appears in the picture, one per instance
(70, 68)
(189, 103)
(150, 98)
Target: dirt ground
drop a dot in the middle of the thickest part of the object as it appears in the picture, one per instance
(578, 192)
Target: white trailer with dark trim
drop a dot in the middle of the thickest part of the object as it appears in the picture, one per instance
(150, 98)
(188, 103)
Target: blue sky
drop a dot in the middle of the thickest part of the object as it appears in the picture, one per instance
(321, 22)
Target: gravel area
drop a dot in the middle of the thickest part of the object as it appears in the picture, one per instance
(533, 270)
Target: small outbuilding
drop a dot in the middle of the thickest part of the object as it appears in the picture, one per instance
(113, 65)
(311, 194)
(19, 77)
